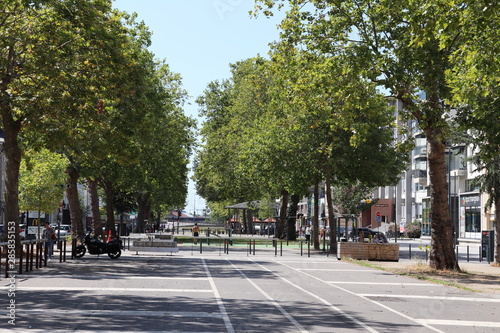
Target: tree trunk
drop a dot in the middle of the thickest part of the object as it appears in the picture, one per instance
(12, 164)
(442, 254)
(74, 203)
(110, 212)
(250, 224)
(315, 228)
(142, 210)
(331, 216)
(280, 228)
(292, 213)
(244, 214)
(94, 204)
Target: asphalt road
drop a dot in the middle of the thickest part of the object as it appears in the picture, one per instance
(235, 292)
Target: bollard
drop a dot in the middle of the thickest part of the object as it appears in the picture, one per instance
(73, 248)
(64, 254)
(254, 247)
(201, 245)
(45, 253)
(480, 254)
(6, 263)
(59, 246)
(488, 254)
(281, 249)
(308, 249)
(21, 255)
(456, 252)
(467, 253)
(31, 255)
(300, 242)
(37, 249)
(27, 257)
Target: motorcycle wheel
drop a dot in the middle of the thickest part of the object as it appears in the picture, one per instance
(80, 251)
(115, 254)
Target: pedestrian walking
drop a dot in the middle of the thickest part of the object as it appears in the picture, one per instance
(196, 232)
(49, 236)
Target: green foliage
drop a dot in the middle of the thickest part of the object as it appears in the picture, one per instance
(403, 47)
(41, 181)
(414, 230)
(351, 199)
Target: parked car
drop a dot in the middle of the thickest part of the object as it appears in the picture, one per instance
(62, 230)
(22, 231)
(367, 232)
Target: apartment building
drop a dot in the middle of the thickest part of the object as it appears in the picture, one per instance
(409, 200)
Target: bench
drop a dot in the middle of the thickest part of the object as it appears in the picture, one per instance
(369, 251)
(155, 243)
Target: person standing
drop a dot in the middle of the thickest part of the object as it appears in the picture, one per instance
(49, 236)
(196, 232)
(308, 233)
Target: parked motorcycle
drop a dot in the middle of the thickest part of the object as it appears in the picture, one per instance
(97, 246)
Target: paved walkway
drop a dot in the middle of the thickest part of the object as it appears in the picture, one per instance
(237, 291)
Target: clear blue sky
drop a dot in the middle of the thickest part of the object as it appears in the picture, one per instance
(199, 39)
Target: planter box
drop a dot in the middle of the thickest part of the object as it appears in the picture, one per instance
(369, 251)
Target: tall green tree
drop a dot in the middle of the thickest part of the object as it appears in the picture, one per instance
(41, 181)
(475, 80)
(42, 65)
(341, 125)
(395, 44)
(163, 145)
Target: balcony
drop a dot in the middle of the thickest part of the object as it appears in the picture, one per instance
(458, 173)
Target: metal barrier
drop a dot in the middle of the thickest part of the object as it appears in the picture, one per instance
(31, 252)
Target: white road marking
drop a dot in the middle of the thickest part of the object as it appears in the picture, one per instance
(332, 270)
(222, 308)
(20, 330)
(365, 298)
(443, 298)
(114, 277)
(383, 283)
(100, 289)
(330, 305)
(460, 323)
(273, 302)
(119, 313)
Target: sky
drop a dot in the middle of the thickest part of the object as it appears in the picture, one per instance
(199, 39)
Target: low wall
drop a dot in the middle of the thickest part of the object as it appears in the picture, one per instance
(369, 251)
(161, 244)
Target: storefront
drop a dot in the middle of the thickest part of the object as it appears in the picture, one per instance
(470, 216)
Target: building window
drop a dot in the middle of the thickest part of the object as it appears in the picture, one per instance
(472, 219)
(470, 216)
(426, 220)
